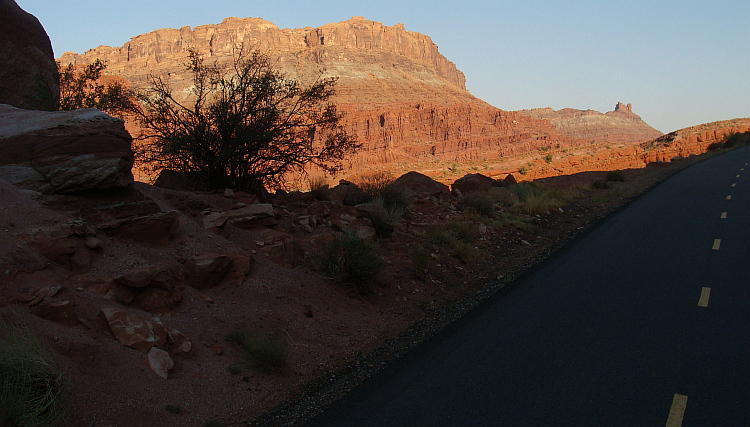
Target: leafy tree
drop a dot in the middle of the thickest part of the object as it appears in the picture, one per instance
(243, 123)
(81, 89)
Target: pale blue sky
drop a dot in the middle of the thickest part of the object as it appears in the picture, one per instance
(680, 63)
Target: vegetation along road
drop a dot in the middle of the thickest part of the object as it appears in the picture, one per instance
(641, 321)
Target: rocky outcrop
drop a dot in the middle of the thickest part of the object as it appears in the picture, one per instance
(620, 126)
(28, 76)
(64, 151)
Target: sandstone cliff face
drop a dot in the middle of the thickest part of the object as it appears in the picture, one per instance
(28, 76)
(620, 126)
(357, 51)
(403, 100)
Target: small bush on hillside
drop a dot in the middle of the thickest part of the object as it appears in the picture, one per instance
(34, 391)
(734, 139)
(266, 351)
(548, 158)
(458, 238)
(479, 202)
(513, 221)
(385, 218)
(352, 262)
(319, 189)
(600, 185)
(615, 176)
(464, 231)
(419, 256)
(464, 252)
(536, 200)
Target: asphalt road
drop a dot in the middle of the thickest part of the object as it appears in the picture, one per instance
(616, 329)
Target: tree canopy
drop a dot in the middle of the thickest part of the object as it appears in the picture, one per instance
(80, 88)
(243, 123)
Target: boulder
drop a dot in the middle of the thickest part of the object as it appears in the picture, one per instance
(155, 229)
(28, 76)
(132, 331)
(64, 244)
(207, 271)
(422, 185)
(159, 362)
(64, 151)
(179, 342)
(251, 216)
(153, 289)
(474, 182)
(57, 311)
(246, 216)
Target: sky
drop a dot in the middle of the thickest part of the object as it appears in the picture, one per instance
(680, 63)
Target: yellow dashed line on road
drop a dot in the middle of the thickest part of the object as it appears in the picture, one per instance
(734, 185)
(677, 413)
(729, 197)
(703, 300)
(723, 215)
(717, 243)
(737, 176)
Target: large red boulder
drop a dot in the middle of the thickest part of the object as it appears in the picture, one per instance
(422, 185)
(474, 182)
(64, 151)
(28, 75)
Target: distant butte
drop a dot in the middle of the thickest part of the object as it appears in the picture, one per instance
(620, 126)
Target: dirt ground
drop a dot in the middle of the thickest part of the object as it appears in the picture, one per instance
(337, 337)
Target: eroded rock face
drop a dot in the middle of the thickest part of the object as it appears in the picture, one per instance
(64, 151)
(28, 76)
(402, 99)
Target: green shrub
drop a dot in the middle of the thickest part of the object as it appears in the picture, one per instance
(439, 235)
(419, 256)
(352, 262)
(479, 202)
(464, 252)
(523, 170)
(548, 158)
(464, 231)
(385, 218)
(614, 176)
(34, 391)
(379, 186)
(513, 221)
(174, 409)
(599, 184)
(319, 188)
(734, 139)
(536, 200)
(264, 350)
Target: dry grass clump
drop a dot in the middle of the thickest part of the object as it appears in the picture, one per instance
(479, 203)
(320, 189)
(458, 238)
(264, 350)
(351, 261)
(535, 199)
(34, 391)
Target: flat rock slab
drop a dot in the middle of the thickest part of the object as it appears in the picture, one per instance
(64, 151)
